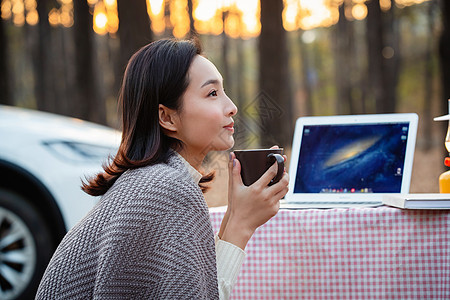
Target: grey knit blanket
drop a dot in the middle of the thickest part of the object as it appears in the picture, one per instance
(149, 237)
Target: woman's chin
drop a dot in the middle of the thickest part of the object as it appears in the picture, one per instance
(230, 145)
(225, 146)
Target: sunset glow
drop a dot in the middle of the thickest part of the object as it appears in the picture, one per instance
(155, 9)
(100, 22)
(106, 19)
(179, 18)
(238, 18)
(208, 17)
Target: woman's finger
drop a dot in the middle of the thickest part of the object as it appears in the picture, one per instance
(230, 168)
(280, 185)
(265, 179)
(236, 172)
(281, 193)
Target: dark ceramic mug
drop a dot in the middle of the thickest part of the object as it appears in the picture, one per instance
(255, 162)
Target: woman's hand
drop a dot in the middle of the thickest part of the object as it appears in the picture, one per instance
(252, 206)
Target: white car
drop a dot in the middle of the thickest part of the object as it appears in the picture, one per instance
(43, 158)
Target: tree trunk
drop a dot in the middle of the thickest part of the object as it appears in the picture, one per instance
(375, 49)
(224, 57)
(239, 75)
(444, 54)
(45, 96)
(274, 98)
(344, 63)
(383, 55)
(5, 96)
(306, 82)
(61, 64)
(134, 28)
(391, 59)
(168, 29)
(88, 103)
(428, 80)
(192, 31)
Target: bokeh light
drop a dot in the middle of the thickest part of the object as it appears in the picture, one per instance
(155, 9)
(100, 20)
(238, 18)
(6, 11)
(359, 11)
(106, 19)
(385, 5)
(179, 17)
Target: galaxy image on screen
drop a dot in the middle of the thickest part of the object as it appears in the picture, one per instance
(367, 158)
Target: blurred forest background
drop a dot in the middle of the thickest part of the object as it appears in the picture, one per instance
(280, 59)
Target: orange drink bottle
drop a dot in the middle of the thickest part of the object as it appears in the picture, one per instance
(444, 179)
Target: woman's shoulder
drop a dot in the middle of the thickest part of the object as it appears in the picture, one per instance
(166, 173)
(160, 189)
(170, 177)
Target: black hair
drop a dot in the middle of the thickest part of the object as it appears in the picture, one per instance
(156, 74)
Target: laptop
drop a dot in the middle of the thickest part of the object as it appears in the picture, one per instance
(350, 160)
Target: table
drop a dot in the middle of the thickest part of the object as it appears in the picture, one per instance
(354, 253)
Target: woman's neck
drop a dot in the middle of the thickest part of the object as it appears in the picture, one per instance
(194, 159)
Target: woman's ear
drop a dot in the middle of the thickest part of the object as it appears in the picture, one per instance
(167, 118)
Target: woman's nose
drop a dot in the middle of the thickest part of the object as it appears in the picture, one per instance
(232, 110)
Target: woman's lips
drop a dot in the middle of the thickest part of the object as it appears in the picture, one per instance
(230, 127)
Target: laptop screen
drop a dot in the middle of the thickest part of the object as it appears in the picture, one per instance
(346, 158)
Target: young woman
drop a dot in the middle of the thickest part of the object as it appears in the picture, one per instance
(150, 236)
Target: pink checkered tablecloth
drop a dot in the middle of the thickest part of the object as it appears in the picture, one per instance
(356, 253)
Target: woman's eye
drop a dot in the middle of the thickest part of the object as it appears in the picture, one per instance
(213, 93)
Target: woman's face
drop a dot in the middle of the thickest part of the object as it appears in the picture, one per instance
(205, 118)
